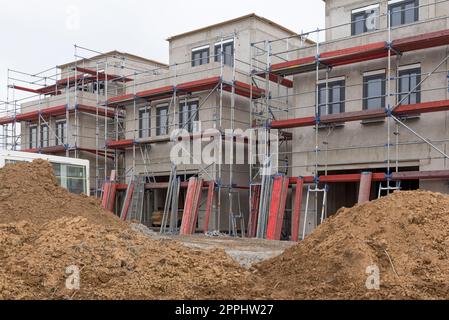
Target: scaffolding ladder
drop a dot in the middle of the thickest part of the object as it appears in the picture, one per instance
(135, 211)
(234, 217)
(316, 191)
(171, 204)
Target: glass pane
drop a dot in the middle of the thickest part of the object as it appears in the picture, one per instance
(75, 172)
(228, 54)
(57, 169)
(75, 186)
(409, 13)
(396, 16)
(204, 57)
(193, 111)
(322, 100)
(335, 99)
(359, 24)
(184, 116)
(374, 93)
(163, 121)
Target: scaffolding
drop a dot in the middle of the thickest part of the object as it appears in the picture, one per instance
(312, 107)
(121, 112)
(117, 92)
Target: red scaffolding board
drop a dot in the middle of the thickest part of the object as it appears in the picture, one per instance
(165, 92)
(405, 110)
(361, 53)
(378, 177)
(55, 112)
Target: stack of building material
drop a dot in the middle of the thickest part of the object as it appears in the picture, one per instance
(192, 206)
(277, 207)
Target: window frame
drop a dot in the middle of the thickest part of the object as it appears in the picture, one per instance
(199, 62)
(218, 55)
(401, 94)
(61, 124)
(189, 104)
(364, 11)
(367, 78)
(33, 143)
(142, 111)
(402, 5)
(331, 85)
(45, 139)
(158, 121)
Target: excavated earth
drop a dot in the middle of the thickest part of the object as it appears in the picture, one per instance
(405, 236)
(45, 233)
(44, 230)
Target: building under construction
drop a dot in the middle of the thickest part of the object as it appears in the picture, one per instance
(360, 107)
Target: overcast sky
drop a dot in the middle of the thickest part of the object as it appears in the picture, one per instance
(37, 35)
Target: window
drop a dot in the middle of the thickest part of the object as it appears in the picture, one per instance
(403, 12)
(200, 56)
(45, 137)
(228, 49)
(374, 92)
(145, 122)
(188, 113)
(335, 95)
(162, 121)
(61, 131)
(408, 80)
(33, 137)
(364, 19)
(71, 177)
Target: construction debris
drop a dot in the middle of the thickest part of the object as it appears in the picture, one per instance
(405, 236)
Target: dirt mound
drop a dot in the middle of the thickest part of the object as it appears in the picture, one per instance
(29, 192)
(114, 263)
(406, 235)
(44, 230)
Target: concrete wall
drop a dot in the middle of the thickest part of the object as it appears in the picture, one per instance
(338, 14)
(362, 145)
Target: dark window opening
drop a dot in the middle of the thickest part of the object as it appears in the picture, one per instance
(374, 92)
(61, 128)
(188, 114)
(404, 12)
(200, 57)
(33, 137)
(45, 137)
(408, 80)
(335, 98)
(145, 123)
(364, 21)
(162, 121)
(228, 53)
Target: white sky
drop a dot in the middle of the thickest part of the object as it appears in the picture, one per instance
(37, 35)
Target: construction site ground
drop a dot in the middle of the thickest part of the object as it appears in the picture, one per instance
(46, 233)
(247, 252)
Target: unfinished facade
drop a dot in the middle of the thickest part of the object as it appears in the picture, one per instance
(369, 103)
(360, 107)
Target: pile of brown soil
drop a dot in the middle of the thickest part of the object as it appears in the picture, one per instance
(29, 192)
(406, 235)
(44, 230)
